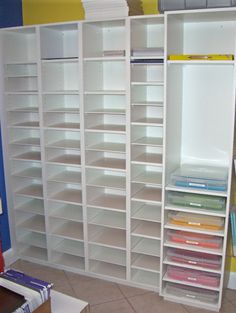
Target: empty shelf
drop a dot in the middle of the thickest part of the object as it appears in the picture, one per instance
(148, 194)
(68, 260)
(108, 128)
(70, 247)
(108, 269)
(148, 213)
(32, 172)
(147, 229)
(31, 141)
(73, 230)
(65, 125)
(146, 262)
(150, 158)
(67, 159)
(27, 124)
(31, 156)
(32, 206)
(66, 144)
(106, 111)
(109, 255)
(109, 219)
(107, 146)
(68, 212)
(111, 163)
(151, 141)
(35, 223)
(67, 177)
(148, 247)
(35, 253)
(109, 201)
(146, 278)
(147, 121)
(68, 195)
(107, 236)
(33, 239)
(35, 190)
(153, 178)
(108, 181)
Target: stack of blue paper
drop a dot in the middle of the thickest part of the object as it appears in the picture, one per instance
(35, 291)
(233, 228)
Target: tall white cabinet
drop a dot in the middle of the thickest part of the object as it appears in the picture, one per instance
(95, 118)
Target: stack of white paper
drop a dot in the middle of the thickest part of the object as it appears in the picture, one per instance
(105, 9)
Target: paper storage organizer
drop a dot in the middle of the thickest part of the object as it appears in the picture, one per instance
(196, 200)
(193, 293)
(208, 261)
(202, 177)
(194, 239)
(193, 276)
(198, 221)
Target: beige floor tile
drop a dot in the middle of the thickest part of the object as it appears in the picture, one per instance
(152, 303)
(131, 291)
(228, 307)
(192, 309)
(121, 306)
(230, 294)
(77, 278)
(96, 291)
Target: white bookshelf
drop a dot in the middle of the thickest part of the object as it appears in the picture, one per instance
(95, 118)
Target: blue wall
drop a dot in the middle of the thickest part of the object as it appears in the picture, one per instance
(11, 13)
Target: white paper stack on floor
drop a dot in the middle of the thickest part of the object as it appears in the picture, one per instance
(105, 9)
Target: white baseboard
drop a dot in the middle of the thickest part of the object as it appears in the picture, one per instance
(9, 257)
(231, 283)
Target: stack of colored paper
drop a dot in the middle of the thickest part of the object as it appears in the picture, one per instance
(105, 9)
(233, 227)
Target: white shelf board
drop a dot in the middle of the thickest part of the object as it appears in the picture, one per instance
(195, 230)
(146, 229)
(67, 126)
(117, 256)
(70, 261)
(197, 191)
(147, 83)
(67, 177)
(33, 239)
(147, 247)
(149, 158)
(105, 92)
(68, 213)
(61, 60)
(27, 142)
(108, 219)
(34, 190)
(148, 141)
(148, 194)
(31, 172)
(109, 201)
(196, 210)
(66, 144)
(200, 62)
(68, 246)
(109, 163)
(28, 124)
(70, 230)
(58, 109)
(111, 128)
(117, 182)
(146, 262)
(61, 92)
(193, 248)
(107, 146)
(107, 269)
(23, 109)
(148, 103)
(31, 156)
(34, 253)
(112, 111)
(148, 121)
(35, 223)
(32, 206)
(105, 58)
(148, 177)
(108, 237)
(183, 282)
(147, 212)
(191, 266)
(68, 195)
(66, 159)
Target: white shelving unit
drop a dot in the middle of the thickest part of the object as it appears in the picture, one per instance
(200, 101)
(94, 119)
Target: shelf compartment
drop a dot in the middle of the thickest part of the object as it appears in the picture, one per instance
(106, 198)
(105, 142)
(29, 205)
(62, 139)
(105, 160)
(26, 169)
(59, 41)
(109, 237)
(20, 70)
(61, 103)
(145, 212)
(146, 174)
(22, 103)
(108, 35)
(60, 76)
(105, 123)
(147, 93)
(106, 218)
(147, 135)
(147, 115)
(31, 222)
(105, 178)
(108, 255)
(107, 269)
(105, 104)
(26, 153)
(66, 229)
(145, 277)
(98, 76)
(63, 156)
(21, 84)
(32, 252)
(68, 260)
(68, 193)
(62, 121)
(32, 238)
(147, 73)
(20, 45)
(146, 229)
(68, 246)
(145, 246)
(146, 155)
(25, 137)
(64, 174)
(23, 120)
(33, 190)
(65, 211)
(146, 193)
(145, 262)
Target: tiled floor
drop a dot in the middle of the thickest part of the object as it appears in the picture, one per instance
(107, 297)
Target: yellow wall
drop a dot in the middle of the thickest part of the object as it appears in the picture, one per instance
(150, 6)
(51, 11)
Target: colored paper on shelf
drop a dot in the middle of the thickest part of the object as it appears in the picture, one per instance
(204, 57)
